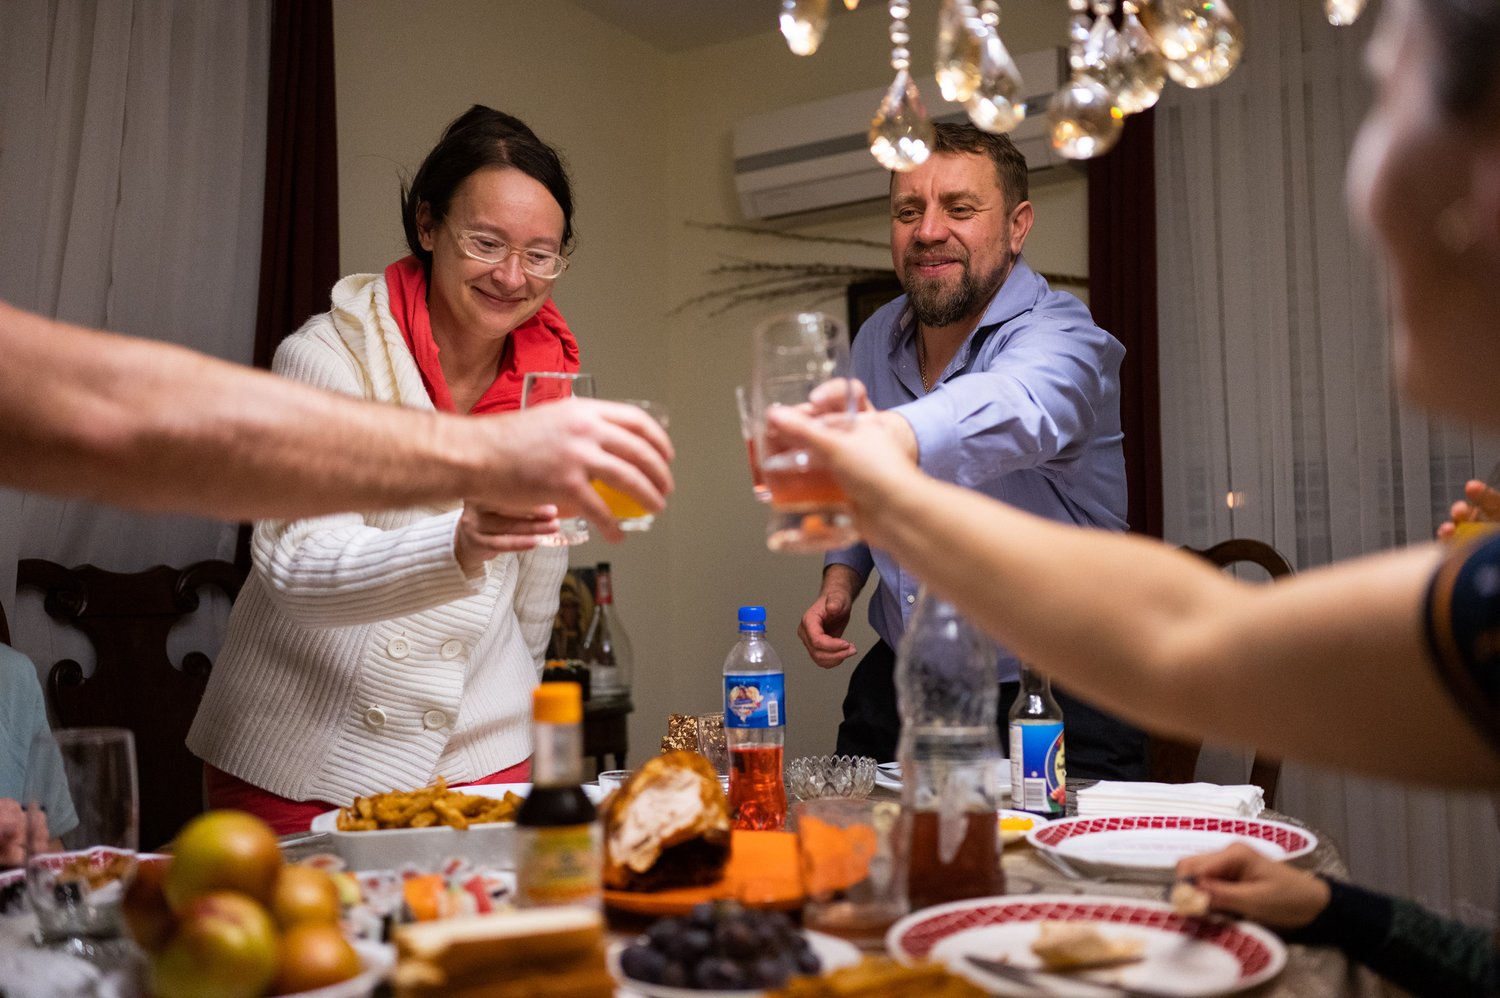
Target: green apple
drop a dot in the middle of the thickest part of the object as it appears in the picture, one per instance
(225, 947)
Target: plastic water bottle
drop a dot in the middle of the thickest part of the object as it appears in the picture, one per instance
(1038, 771)
(950, 757)
(755, 726)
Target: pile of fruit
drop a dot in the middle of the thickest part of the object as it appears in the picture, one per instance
(226, 918)
(720, 946)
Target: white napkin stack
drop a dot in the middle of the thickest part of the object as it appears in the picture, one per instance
(1109, 797)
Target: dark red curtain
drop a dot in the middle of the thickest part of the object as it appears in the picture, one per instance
(299, 253)
(1122, 296)
(299, 250)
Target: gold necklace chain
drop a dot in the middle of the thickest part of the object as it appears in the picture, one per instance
(922, 361)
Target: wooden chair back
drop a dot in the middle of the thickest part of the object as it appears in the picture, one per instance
(134, 684)
(1174, 761)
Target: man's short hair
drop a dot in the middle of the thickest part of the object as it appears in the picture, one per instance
(1010, 164)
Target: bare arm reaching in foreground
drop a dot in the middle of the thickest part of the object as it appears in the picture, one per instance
(1328, 666)
(152, 426)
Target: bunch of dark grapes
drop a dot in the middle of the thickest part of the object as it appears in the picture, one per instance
(720, 946)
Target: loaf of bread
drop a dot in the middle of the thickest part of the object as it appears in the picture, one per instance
(536, 952)
(668, 826)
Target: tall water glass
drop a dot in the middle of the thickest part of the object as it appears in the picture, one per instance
(541, 388)
(82, 783)
(795, 354)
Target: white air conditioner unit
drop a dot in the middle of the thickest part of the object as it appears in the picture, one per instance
(817, 155)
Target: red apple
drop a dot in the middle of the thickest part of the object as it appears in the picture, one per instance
(145, 907)
(225, 947)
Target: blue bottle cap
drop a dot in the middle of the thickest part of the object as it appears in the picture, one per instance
(752, 618)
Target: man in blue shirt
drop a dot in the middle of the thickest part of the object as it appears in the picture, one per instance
(991, 380)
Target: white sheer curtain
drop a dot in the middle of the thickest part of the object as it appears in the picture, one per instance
(1279, 416)
(132, 157)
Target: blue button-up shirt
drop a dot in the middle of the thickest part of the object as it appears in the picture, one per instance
(1027, 412)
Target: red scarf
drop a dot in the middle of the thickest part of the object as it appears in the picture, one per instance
(541, 343)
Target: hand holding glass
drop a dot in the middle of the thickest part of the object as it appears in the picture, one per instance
(629, 514)
(794, 355)
(541, 388)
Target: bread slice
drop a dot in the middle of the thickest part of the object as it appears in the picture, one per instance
(435, 953)
(1076, 945)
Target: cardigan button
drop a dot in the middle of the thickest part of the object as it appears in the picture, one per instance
(434, 719)
(398, 647)
(451, 649)
(375, 717)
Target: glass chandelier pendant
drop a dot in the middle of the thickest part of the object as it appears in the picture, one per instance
(1101, 52)
(901, 135)
(1201, 40)
(1342, 13)
(850, 4)
(803, 23)
(1142, 70)
(1085, 121)
(997, 105)
(960, 47)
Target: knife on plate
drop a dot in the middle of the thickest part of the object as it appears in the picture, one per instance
(1062, 985)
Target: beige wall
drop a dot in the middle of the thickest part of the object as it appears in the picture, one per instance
(647, 136)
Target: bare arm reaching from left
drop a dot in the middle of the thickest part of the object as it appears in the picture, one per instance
(1329, 666)
(152, 426)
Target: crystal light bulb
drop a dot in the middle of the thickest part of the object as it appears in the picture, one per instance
(959, 50)
(1142, 70)
(1085, 121)
(850, 4)
(1342, 13)
(997, 105)
(1101, 54)
(803, 23)
(901, 135)
(1201, 40)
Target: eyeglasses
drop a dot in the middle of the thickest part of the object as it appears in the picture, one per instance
(486, 248)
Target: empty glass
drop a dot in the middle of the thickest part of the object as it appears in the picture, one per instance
(82, 784)
(794, 355)
(540, 388)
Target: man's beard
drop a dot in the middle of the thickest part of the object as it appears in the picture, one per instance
(937, 304)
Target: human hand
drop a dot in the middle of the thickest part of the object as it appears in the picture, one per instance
(553, 453)
(1481, 504)
(13, 827)
(485, 531)
(871, 454)
(1244, 882)
(822, 626)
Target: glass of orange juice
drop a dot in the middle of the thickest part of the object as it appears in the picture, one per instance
(794, 355)
(629, 514)
(545, 388)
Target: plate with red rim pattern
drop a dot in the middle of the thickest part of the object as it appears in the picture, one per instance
(1148, 846)
(1186, 956)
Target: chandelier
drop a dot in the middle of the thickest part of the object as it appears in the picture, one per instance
(1114, 72)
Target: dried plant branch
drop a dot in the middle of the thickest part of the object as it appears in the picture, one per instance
(755, 230)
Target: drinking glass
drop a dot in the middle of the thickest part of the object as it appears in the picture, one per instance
(82, 783)
(540, 388)
(613, 779)
(853, 866)
(713, 746)
(747, 431)
(629, 514)
(795, 354)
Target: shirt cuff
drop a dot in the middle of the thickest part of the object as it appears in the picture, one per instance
(937, 435)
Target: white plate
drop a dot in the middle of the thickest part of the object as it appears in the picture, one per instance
(888, 775)
(1187, 956)
(490, 845)
(832, 951)
(1148, 846)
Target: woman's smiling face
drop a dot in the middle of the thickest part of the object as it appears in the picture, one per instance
(467, 297)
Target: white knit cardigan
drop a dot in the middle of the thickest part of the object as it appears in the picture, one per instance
(359, 657)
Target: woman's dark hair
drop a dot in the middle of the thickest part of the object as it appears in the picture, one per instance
(1467, 33)
(479, 138)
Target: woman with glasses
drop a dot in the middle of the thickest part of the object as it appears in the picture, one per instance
(383, 650)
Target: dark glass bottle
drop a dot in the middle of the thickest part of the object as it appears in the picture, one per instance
(559, 844)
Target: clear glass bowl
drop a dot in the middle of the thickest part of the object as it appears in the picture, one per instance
(812, 777)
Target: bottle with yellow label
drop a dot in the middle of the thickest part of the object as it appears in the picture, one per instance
(559, 857)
